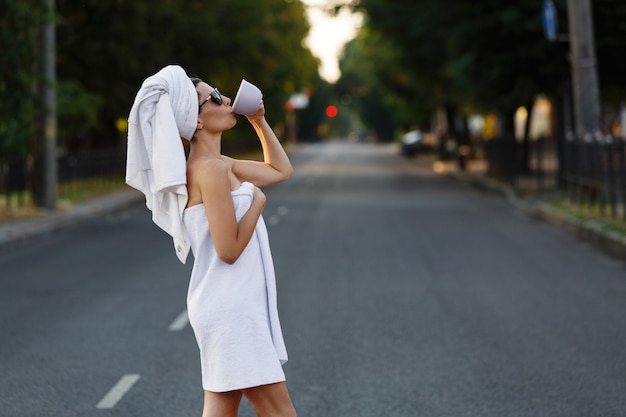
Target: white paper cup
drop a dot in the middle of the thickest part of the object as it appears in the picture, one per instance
(247, 99)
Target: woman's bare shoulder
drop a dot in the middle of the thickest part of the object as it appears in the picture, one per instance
(206, 178)
(228, 160)
(206, 166)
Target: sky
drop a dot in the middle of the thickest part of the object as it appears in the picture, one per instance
(328, 35)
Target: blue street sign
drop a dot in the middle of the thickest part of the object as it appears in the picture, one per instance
(550, 20)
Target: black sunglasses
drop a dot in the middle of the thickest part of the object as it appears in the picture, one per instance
(216, 96)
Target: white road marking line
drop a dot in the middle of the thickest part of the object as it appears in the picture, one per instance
(282, 210)
(179, 322)
(118, 391)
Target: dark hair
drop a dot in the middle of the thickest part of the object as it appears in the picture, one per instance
(196, 81)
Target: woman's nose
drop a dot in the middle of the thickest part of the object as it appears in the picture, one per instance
(227, 100)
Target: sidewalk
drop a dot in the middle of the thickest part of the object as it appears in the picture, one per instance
(534, 205)
(14, 233)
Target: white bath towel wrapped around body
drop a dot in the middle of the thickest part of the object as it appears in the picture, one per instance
(232, 308)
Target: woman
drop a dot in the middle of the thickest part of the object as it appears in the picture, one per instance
(230, 291)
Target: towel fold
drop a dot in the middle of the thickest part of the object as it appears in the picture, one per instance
(165, 109)
(270, 282)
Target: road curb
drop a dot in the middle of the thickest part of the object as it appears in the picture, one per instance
(592, 232)
(19, 232)
(596, 234)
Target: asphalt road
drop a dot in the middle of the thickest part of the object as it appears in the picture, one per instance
(401, 293)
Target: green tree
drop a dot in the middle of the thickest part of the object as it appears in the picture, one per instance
(465, 55)
(372, 83)
(501, 52)
(108, 48)
(610, 35)
(488, 55)
(20, 25)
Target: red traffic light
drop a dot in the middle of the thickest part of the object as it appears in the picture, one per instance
(331, 111)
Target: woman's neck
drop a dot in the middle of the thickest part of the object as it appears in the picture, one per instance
(205, 145)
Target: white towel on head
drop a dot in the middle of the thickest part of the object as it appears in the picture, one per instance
(165, 109)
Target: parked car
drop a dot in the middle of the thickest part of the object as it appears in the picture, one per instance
(414, 142)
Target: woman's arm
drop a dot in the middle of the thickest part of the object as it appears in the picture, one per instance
(275, 166)
(229, 237)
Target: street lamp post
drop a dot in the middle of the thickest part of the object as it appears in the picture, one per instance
(50, 120)
(584, 71)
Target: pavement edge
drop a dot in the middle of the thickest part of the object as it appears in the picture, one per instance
(16, 233)
(594, 233)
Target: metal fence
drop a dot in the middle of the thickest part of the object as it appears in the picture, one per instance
(594, 174)
(96, 169)
(532, 168)
(90, 164)
(101, 166)
(13, 180)
(589, 173)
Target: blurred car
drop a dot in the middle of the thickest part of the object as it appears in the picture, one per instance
(414, 142)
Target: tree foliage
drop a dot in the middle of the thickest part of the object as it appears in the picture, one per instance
(105, 49)
(610, 35)
(109, 47)
(475, 56)
(20, 23)
(369, 75)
